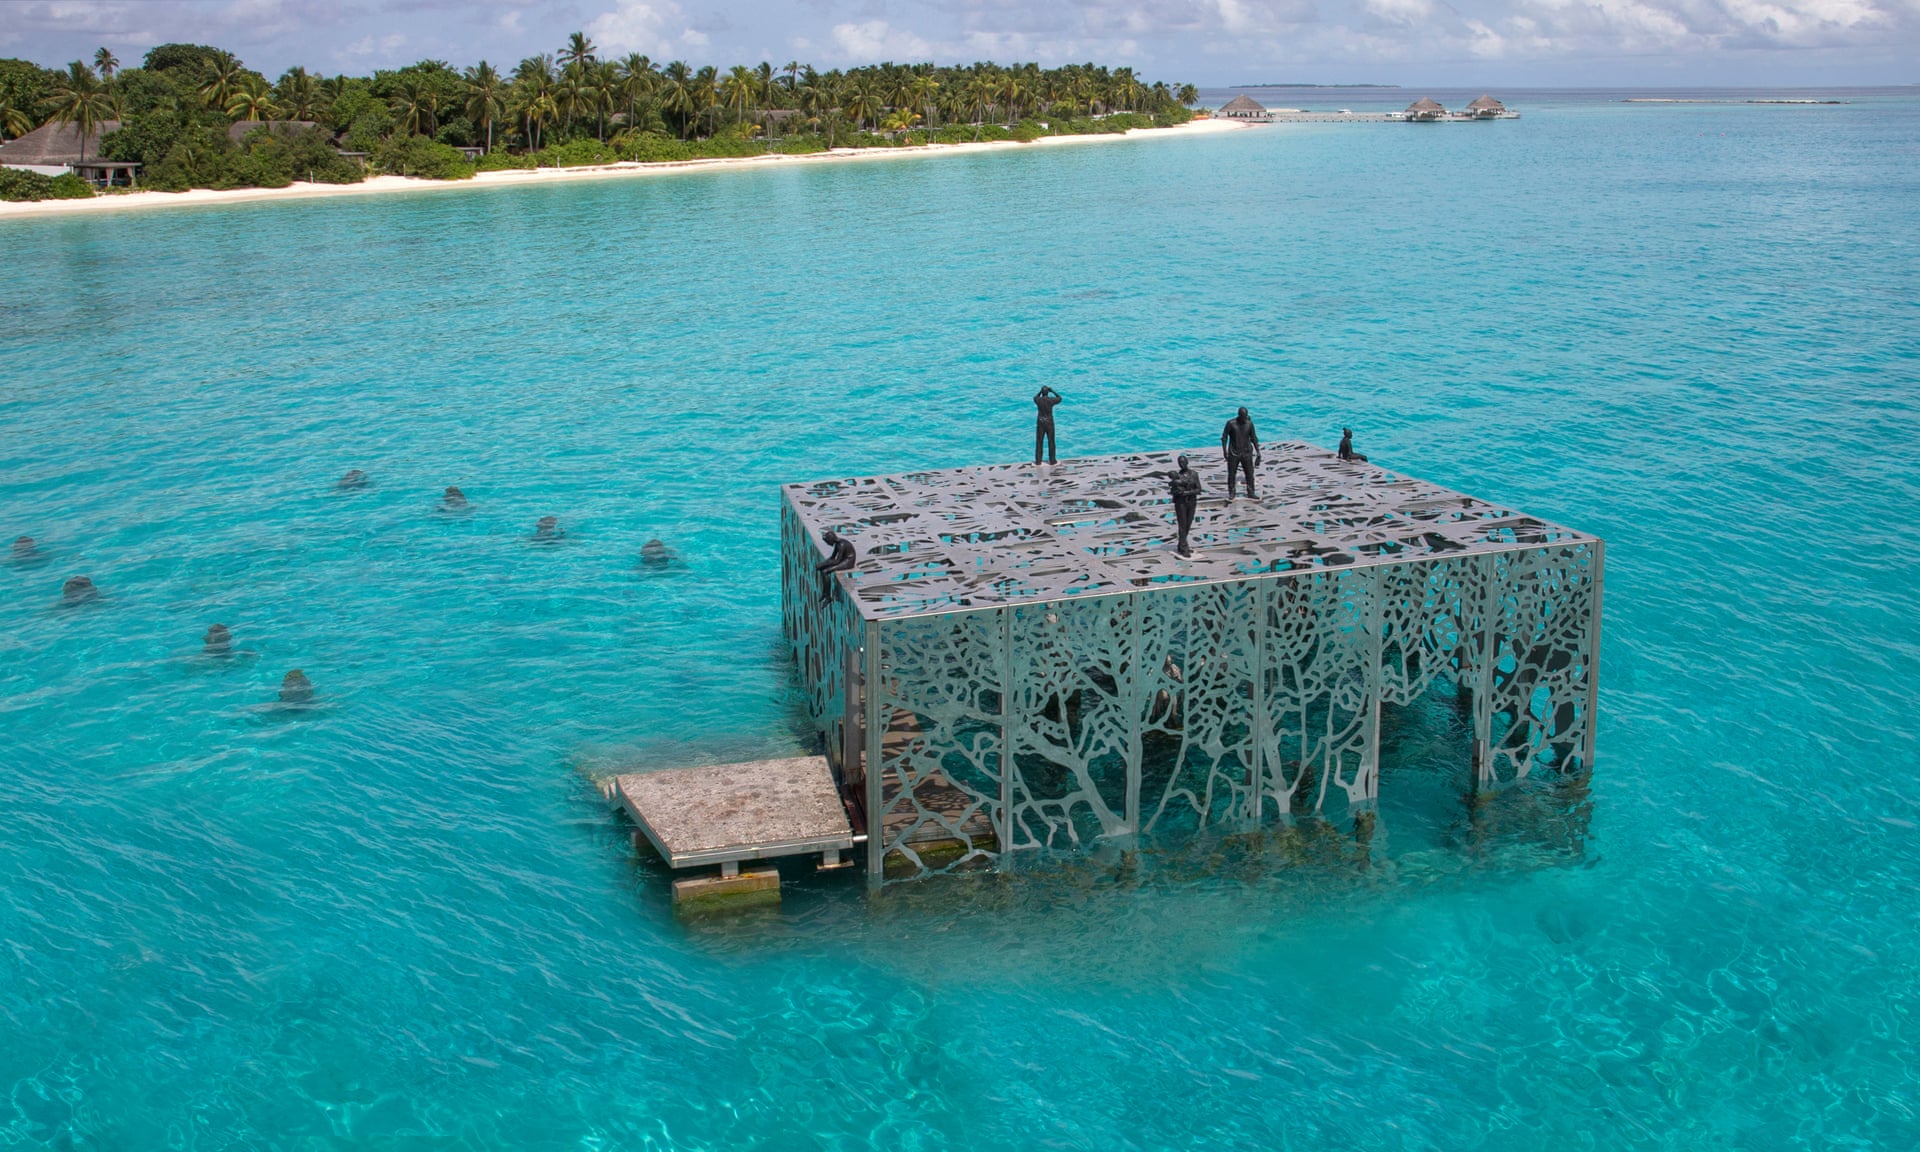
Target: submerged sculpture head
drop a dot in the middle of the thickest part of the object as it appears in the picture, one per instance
(548, 528)
(353, 479)
(654, 554)
(22, 546)
(78, 590)
(219, 640)
(453, 497)
(295, 688)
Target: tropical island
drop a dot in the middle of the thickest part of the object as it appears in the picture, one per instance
(195, 117)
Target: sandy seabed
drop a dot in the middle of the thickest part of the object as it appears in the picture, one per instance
(376, 185)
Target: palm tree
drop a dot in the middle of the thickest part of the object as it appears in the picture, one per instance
(299, 94)
(534, 67)
(706, 93)
(737, 91)
(105, 63)
(536, 103)
(254, 101)
(227, 78)
(606, 85)
(14, 120)
(1189, 94)
(924, 95)
(980, 96)
(636, 80)
(484, 90)
(416, 105)
(332, 88)
(676, 94)
(78, 98)
(579, 50)
(1011, 93)
(902, 120)
(862, 102)
(793, 76)
(570, 94)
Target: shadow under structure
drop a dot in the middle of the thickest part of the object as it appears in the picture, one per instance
(1020, 659)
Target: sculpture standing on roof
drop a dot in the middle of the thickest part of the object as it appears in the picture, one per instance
(1240, 444)
(1185, 487)
(1346, 447)
(1046, 400)
(840, 559)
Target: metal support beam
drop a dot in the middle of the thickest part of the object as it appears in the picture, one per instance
(1592, 717)
(873, 687)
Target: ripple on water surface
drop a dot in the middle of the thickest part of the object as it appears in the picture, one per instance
(396, 913)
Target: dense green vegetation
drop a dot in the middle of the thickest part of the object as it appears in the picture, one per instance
(19, 184)
(566, 109)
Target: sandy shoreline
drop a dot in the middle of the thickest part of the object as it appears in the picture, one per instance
(375, 185)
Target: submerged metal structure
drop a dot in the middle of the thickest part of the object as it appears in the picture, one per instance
(1021, 661)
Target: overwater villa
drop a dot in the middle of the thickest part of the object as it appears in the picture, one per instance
(1244, 107)
(1426, 109)
(1486, 108)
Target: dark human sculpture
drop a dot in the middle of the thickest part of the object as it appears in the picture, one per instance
(1240, 444)
(24, 547)
(1046, 400)
(219, 641)
(353, 479)
(453, 500)
(78, 590)
(654, 554)
(1346, 447)
(840, 559)
(547, 529)
(1185, 487)
(295, 688)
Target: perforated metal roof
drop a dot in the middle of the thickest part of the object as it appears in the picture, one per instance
(999, 534)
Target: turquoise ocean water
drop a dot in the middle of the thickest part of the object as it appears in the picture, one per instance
(404, 919)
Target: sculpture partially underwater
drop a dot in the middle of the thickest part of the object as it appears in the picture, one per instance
(1027, 666)
(453, 500)
(78, 590)
(354, 479)
(654, 554)
(547, 531)
(218, 641)
(295, 688)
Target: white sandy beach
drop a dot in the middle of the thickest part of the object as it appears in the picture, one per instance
(376, 185)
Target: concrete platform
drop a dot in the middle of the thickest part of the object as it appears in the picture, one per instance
(728, 813)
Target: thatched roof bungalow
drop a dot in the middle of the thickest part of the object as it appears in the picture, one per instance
(1243, 107)
(1486, 108)
(53, 147)
(1425, 108)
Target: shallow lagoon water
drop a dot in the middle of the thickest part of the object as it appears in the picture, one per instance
(401, 917)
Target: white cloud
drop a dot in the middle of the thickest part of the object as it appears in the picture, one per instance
(655, 27)
(1224, 41)
(875, 40)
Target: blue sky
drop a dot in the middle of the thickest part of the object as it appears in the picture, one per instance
(1207, 42)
